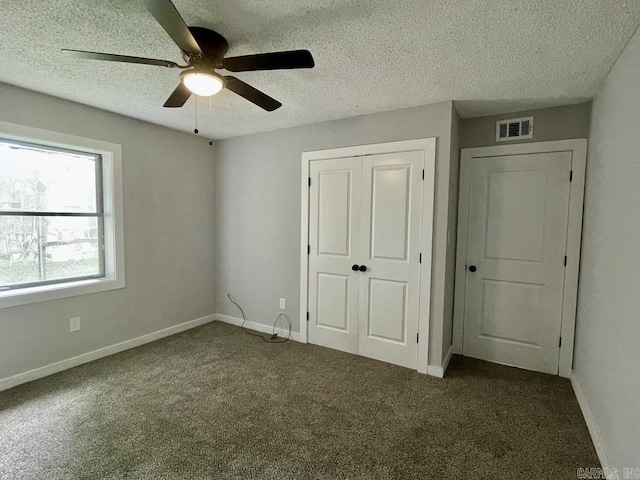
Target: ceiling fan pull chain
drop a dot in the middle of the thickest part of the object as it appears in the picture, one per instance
(195, 98)
(210, 120)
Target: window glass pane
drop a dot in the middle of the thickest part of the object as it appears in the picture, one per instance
(44, 249)
(72, 247)
(36, 179)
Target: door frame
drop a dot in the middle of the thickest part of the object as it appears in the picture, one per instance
(428, 146)
(578, 149)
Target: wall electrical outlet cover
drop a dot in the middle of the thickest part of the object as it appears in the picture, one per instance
(74, 324)
(282, 304)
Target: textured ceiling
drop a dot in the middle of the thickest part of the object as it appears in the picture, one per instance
(491, 56)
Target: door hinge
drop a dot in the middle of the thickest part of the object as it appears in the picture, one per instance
(421, 257)
(560, 342)
(571, 176)
(417, 338)
(307, 316)
(308, 249)
(309, 181)
(565, 260)
(423, 173)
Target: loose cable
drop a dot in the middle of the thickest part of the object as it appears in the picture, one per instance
(274, 336)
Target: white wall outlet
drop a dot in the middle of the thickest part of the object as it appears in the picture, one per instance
(283, 304)
(74, 324)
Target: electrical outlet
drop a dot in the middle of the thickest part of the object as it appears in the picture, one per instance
(74, 324)
(283, 304)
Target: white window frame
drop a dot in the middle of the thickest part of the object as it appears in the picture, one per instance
(114, 277)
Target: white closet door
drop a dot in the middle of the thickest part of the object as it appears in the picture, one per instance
(518, 210)
(390, 249)
(334, 237)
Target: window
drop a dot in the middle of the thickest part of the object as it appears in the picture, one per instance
(60, 216)
(51, 218)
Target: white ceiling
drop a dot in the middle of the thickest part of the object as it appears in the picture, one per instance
(491, 56)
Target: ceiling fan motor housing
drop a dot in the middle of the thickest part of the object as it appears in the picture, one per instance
(211, 43)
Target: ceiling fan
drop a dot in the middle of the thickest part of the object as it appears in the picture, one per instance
(204, 51)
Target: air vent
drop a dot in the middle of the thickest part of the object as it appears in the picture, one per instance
(514, 129)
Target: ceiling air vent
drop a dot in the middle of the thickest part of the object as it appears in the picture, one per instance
(514, 129)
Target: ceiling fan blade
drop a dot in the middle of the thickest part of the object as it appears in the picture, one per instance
(270, 61)
(253, 95)
(179, 97)
(110, 57)
(168, 17)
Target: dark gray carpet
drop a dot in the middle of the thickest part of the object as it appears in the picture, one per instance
(214, 402)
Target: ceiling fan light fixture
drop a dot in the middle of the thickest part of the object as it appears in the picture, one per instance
(204, 51)
(203, 84)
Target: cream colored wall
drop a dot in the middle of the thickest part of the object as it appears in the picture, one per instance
(557, 123)
(607, 347)
(168, 182)
(258, 208)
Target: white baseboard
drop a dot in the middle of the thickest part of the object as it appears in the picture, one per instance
(15, 380)
(591, 425)
(436, 371)
(258, 327)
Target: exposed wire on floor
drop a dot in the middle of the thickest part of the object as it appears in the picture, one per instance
(274, 336)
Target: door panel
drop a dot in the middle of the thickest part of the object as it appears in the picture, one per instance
(510, 311)
(333, 301)
(334, 233)
(387, 299)
(518, 210)
(334, 222)
(516, 214)
(389, 289)
(391, 185)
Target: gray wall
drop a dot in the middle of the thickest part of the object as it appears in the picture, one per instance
(452, 234)
(607, 350)
(258, 208)
(168, 226)
(557, 123)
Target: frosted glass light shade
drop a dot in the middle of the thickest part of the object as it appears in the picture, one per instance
(202, 84)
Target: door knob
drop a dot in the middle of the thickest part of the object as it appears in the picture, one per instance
(355, 267)
(472, 268)
(362, 268)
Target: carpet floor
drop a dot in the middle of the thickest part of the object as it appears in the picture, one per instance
(215, 403)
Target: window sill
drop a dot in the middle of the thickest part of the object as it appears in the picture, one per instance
(44, 293)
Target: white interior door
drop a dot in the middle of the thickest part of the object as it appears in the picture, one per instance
(364, 271)
(390, 246)
(334, 237)
(517, 236)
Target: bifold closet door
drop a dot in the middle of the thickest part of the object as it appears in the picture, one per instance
(390, 247)
(364, 260)
(334, 237)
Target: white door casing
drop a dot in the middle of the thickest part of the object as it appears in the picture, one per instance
(575, 151)
(415, 242)
(518, 210)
